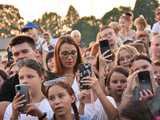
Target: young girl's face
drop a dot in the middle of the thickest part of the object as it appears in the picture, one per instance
(123, 23)
(117, 83)
(60, 100)
(124, 58)
(31, 78)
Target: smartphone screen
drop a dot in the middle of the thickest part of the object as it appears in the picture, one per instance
(145, 80)
(84, 71)
(23, 90)
(104, 46)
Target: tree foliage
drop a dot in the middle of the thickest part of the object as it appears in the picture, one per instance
(87, 30)
(114, 14)
(146, 8)
(10, 20)
(72, 16)
(50, 22)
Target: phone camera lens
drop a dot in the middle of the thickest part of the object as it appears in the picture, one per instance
(18, 87)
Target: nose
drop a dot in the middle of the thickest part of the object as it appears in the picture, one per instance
(69, 57)
(57, 101)
(119, 84)
(126, 60)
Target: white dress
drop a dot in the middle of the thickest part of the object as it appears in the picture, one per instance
(43, 106)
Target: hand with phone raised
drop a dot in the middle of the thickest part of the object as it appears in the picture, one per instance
(145, 84)
(105, 50)
(20, 100)
(85, 70)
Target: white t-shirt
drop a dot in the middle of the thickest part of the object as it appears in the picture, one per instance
(43, 106)
(156, 27)
(95, 110)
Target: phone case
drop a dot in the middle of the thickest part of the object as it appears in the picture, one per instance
(145, 80)
(84, 71)
(23, 90)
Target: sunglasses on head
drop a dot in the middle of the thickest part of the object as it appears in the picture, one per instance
(54, 81)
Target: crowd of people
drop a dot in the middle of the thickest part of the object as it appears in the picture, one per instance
(116, 78)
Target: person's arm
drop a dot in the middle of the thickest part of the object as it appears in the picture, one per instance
(3, 106)
(82, 96)
(17, 103)
(127, 94)
(109, 109)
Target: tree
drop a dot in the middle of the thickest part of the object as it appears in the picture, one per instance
(146, 8)
(50, 22)
(11, 21)
(114, 14)
(88, 32)
(91, 20)
(72, 17)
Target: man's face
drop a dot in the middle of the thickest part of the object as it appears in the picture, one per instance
(109, 34)
(141, 65)
(23, 51)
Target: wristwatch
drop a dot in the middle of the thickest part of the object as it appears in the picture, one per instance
(43, 116)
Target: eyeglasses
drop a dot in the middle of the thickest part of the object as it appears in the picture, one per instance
(66, 54)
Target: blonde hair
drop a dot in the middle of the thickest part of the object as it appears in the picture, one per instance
(115, 26)
(131, 50)
(140, 20)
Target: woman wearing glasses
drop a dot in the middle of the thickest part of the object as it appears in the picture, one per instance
(67, 58)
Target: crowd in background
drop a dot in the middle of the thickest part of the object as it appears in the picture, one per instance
(122, 82)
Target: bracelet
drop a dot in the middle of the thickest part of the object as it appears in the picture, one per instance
(43, 116)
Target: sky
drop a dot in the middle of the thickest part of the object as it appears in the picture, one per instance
(33, 9)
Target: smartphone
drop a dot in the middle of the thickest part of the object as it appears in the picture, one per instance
(104, 46)
(145, 80)
(23, 90)
(84, 71)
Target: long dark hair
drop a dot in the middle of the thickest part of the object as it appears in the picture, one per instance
(70, 92)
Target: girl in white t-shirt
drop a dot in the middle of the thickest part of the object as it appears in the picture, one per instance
(95, 103)
(30, 74)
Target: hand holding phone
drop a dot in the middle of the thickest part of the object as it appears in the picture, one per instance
(23, 91)
(84, 71)
(145, 81)
(105, 49)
